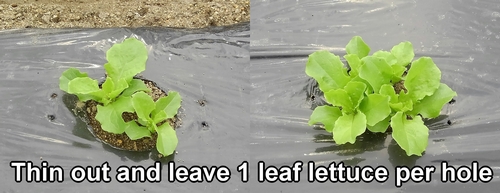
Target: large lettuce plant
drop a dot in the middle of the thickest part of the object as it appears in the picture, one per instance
(378, 91)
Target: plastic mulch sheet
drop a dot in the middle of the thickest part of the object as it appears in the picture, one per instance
(206, 64)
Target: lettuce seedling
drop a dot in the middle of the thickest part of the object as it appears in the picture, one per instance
(121, 93)
(125, 60)
(378, 91)
(151, 118)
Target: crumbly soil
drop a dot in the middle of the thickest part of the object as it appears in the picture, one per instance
(399, 86)
(122, 141)
(121, 13)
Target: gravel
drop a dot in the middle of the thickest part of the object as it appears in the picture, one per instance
(15, 14)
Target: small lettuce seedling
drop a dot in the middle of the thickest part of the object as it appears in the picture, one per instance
(121, 93)
(378, 91)
(150, 115)
(153, 113)
(125, 60)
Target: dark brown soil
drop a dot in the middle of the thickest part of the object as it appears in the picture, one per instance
(399, 86)
(122, 141)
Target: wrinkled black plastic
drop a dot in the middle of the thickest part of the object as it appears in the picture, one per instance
(199, 64)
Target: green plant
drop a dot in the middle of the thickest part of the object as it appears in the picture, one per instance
(121, 93)
(151, 115)
(378, 91)
(125, 60)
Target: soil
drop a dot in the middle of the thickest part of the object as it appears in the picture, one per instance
(122, 141)
(399, 86)
(121, 13)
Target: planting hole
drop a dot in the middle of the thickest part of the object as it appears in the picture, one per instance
(122, 141)
(53, 95)
(204, 124)
(51, 117)
(202, 102)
